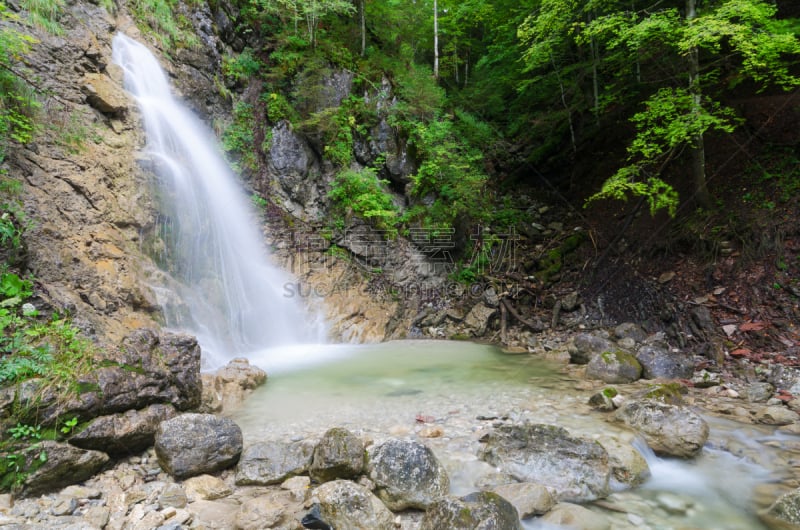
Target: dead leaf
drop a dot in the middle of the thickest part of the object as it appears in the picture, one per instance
(753, 326)
(741, 352)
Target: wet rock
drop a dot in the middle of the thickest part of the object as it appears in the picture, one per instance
(671, 430)
(586, 346)
(477, 511)
(574, 468)
(776, 415)
(129, 432)
(575, 517)
(273, 462)
(658, 362)
(345, 504)
(629, 330)
(614, 366)
(65, 465)
(603, 400)
(759, 392)
(628, 467)
(477, 320)
(784, 513)
(339, 454)
(406, 474)
(194, 444)
(227, 389)
(529, 498)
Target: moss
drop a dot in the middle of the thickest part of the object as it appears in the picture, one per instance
(459, 336)
(671, 393)
(610, 392)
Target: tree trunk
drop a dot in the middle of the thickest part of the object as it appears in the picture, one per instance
(595, 80)
(701, 195)
(363, 9)
(435, 39)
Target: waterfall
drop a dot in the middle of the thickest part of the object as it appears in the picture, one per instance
(232, 299)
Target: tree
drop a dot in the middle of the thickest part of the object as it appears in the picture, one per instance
(312, 11)
(677, 116)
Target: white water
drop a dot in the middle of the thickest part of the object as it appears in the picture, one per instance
(232, 299)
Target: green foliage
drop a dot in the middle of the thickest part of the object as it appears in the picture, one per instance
(239, 136)
(241, 67)
(69, 425)
(279, 108)
(158, 18)
(336, 126)
(363, 194)
(45, 14)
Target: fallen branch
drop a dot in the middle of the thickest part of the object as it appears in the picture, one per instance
(535, 326)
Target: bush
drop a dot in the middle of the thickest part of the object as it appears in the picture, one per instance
(363, 194)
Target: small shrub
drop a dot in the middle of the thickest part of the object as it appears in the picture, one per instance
(362, 193)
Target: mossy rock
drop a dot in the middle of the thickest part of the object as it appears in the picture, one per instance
(614, 366)
(671, 393)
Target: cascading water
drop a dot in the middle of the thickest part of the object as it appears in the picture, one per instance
(232, 299)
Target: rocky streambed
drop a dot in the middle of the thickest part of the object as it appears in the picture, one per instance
(425, 434)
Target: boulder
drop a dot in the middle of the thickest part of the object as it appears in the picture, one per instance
(265, 511)
(345, 504)
(206, 488)
(629, 330)
(575, 517)
(776, 415)
(65, 465)
(227, 389)
(628, 467)
(406, 474)
(529, 498)
(339, 454)
(614, 366)
(125, 433)
(483, 510)
(672, 430)
(273, 462)
(784, 512)
(759, 392)
(658, 362)
(603, 400)
(477, 320)
(587, 345)
(194, 444)
(573, 468)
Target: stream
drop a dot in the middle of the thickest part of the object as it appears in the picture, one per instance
(450, 393)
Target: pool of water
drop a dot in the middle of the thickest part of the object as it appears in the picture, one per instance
(459, 389)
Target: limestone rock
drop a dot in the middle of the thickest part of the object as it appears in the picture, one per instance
(65, 465)
(628, 467)
(213, 514)
(406, 474)
(206, 487)
(614, 366)
(603, 400)
(227, 389)
(671, 430)
(575, 517)
(587, 345)
(658, 362)
(776, 415)
(784, 512)
(125, 433)
(629, 330)
(759, 392)
(529, 498)
(193, 444)
(339, 454)
(706, 379)
(574, 468)
(260, 512)
(345, 504)
(477, 511)
(273, 462)
(477, 320)
(104, 95)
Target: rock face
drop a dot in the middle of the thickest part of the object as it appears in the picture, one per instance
(477, 511)
(668, 429)
(339, 454)
(125, 433)
(575, 469)
(267, 463)
(65, 465)
(407, 474)
(659, 362)
(614, 366)
(345, 504)
(193, 444)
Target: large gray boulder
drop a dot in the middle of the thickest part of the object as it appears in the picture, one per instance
(483, 510)
(658, 362)
(614, 366)
(671, 430)
(407, 474)
(339, 454)
(573, 468)
(194, 444)
(125, 433)
(345, 504)
(64, 465)
(272, 462)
